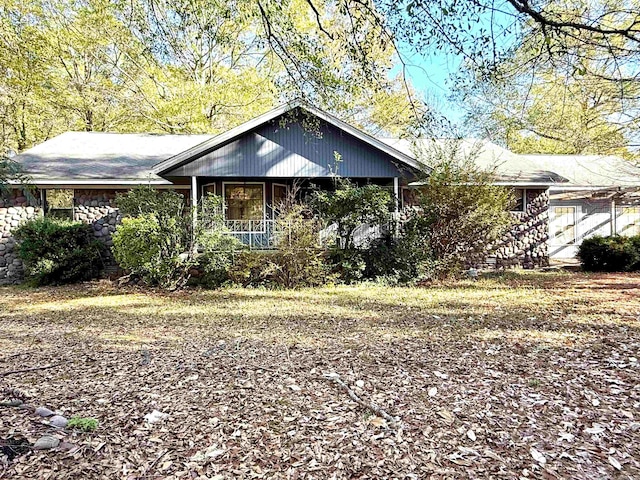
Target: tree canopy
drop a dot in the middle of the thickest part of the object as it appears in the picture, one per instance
(197, 66)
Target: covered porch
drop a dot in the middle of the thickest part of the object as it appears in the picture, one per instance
(252, 205)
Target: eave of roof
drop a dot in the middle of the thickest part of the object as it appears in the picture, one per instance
(208, 145)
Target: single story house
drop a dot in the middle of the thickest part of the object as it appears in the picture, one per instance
(562, 199)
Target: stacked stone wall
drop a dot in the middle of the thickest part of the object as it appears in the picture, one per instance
(526, 242)
(14, 210)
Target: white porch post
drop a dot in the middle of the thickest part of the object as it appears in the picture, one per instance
(194, 202)
(614, 227)
(396, 194)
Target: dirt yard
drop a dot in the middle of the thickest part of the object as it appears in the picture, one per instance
(523, 376)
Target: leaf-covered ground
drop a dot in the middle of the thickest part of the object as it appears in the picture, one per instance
(524, 376)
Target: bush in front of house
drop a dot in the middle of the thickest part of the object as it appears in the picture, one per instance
(144, 247)
(157, 243)
(349, 207)
(610, 254)
(155, 239)
(459, 211)
(395, 259)
(299, 259)
(249, 268)
(58, 251)
(217, 253)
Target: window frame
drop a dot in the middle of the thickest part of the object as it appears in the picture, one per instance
(264, 204)
(202, 189)
(524, 200)
(47, 209)
(574, 224)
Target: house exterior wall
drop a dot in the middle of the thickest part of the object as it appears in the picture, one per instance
(14, 210)
(591, 217)
(525, 244)
(287, 149)
(95, 207)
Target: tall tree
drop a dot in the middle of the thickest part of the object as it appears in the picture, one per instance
(187, 66)
(551, 112)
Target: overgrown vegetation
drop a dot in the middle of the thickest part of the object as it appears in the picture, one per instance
(610, 254)
(459, 209)
(155, 240)
(58, 251)
(350, 207)
(299, 259)
(217, 249)
(158, 243)
(458, 213)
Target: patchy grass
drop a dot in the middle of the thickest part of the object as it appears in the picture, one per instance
(522, 361)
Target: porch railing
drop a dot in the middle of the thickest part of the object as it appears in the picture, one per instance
(260, 234)
(256, 234)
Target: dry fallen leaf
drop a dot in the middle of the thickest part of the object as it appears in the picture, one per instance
(378, 422)
(472, 435)
(447, 415)
(615, 463)
(433, 391)
(537, 456)
(595, 429)
(272, 431)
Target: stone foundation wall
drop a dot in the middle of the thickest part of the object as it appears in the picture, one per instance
(526, 243)
(14, 210)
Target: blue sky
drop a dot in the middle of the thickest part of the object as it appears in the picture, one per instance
(430, 75)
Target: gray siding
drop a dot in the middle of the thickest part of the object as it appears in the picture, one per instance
(290, 151)
(592, 217)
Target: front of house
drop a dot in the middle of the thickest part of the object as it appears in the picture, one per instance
(253, 166)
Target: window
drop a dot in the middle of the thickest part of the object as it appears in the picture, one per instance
(279, 196)
(520, 200)
(209, 188)
(60, 203)
(564, 225)
(629, 221)
(409, 197)
(244, 201)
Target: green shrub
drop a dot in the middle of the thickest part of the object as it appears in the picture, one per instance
(299, 259)
(350, 206)
(58, 251)
(152, 250)
(249, 268)
(460, 211)
(404, 258)
(394, 259)
(217, 252)
(348, 264)
(610, 254)
(157, 242)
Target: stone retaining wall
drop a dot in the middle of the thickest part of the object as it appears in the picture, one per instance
(13, 211)
(526, 243)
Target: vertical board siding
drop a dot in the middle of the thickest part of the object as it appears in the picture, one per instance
(290, 151)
